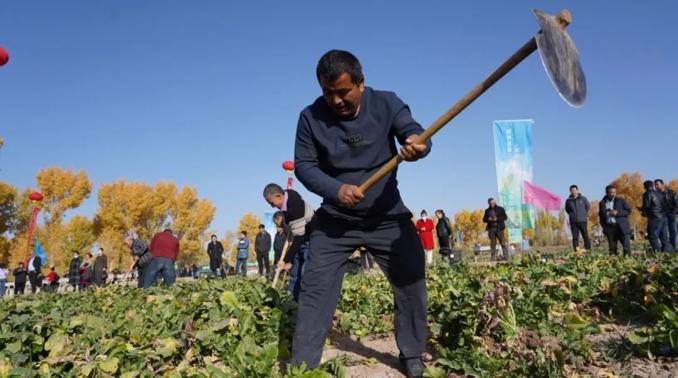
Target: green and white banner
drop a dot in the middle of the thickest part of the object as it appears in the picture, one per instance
(513, 158)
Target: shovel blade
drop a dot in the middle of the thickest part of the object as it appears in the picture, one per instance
(560, 58)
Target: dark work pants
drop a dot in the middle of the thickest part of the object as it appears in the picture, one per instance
(658, 235)
(19, 287)
(215, 264)
(673, 230)
(576, 228)
(263, 263)
(241, 266)
(495, 234)
(396, 248)
(36, 282)
(615, 234)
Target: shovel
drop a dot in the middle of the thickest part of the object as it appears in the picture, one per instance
(560, 59)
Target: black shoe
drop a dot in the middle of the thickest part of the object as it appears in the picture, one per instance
(413, 367)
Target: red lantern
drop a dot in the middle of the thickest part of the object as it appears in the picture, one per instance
(288, 166)
(35, 196)
(4, 56)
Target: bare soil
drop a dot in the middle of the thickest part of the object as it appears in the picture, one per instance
(378, 357)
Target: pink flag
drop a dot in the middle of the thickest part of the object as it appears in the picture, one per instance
(540, 197)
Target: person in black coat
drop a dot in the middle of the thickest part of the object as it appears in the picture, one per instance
(262, 246)
(495, 217)
(215, 251)
(34, 273)
(444, 232)
(654, 210)
(20, 278)
(74, 271)
(613, 212)
(279, 243)
(577, 208)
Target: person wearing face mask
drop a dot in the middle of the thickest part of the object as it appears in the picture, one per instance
(613, 212)
(425, 231)
(74, 271)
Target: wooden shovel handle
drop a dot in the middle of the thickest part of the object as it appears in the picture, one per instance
(528, 48)
(282, 258)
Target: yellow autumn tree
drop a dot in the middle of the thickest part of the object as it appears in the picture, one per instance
(8, 208)
(673, 185)
(630, 186)
(78, 236)
(8, 218)
(470, 224)
(229, 241)
(148, 209)
(190, 217)
(63, 189)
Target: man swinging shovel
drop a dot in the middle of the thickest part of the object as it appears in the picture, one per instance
(347, 136)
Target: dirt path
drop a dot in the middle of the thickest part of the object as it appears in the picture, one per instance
(376, 357)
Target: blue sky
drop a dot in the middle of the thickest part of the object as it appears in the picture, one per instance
(208, 93)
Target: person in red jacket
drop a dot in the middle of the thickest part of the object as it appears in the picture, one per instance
(425, 231)
(165, 248)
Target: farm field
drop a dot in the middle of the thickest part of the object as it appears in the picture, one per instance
(567, 315)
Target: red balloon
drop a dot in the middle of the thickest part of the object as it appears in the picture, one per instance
(4, 56)
(35, 196)
(288, 165)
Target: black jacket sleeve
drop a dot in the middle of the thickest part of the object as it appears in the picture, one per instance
(307, 165)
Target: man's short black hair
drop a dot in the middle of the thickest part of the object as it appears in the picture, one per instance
(574, 187)
(213, 236)
(490, 199)
(243, 232)
(272, 189)
(607, 188)
(334, 63)
(648, 184)
(279, 214)
(261, 227)
(101, 249)
(659, 181)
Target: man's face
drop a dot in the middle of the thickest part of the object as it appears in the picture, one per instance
(278, 222)
(574, 192)
(612, 192)
(659, 186)
(343, 96)
(276, 200)
(261, 230)
(493, 203)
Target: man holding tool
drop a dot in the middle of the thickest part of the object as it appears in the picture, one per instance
(347, 137)
(342, 139)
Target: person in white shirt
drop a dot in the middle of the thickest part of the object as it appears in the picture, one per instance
(3, 279)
